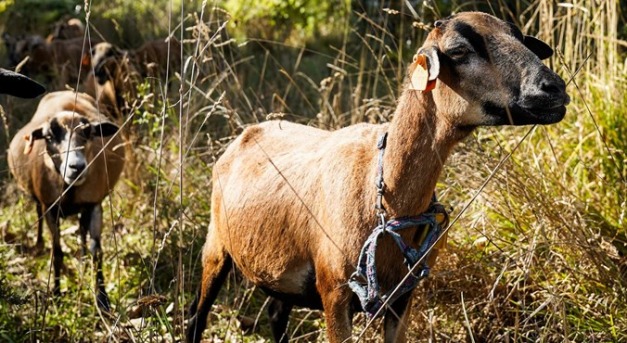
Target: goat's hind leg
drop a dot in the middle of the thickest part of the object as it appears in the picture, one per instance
(38, 249)
(216, 266)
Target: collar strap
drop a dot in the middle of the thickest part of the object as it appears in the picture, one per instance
(379, 184)
(364, 280)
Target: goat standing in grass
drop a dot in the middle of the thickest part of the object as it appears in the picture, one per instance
(112, 79)
(292, 205)
(117, 72)
(68, 158)
(58, 60)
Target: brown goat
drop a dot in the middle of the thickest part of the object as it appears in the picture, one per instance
(115, 73)
(67, 29)
(112, 79)
(59, 61)
(292, 205)
(153, 58)
(68, 158)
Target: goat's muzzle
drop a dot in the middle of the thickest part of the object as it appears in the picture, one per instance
(541, 101)
(73, 169)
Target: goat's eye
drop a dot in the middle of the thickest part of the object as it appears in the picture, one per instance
(458, 52)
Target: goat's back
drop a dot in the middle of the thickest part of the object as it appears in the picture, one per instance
(153, 57)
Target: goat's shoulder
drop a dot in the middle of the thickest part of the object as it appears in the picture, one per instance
(27, 167)
(283, 137)
(278, 135)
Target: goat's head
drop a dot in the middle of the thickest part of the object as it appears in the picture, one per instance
(18, 47)
(19, 85)
(68, 137)
(31, 46)
(104, 58)
(490, 73)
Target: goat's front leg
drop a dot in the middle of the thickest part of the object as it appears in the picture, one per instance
(39, 246)
(83, 225)
(396, 319)
(91, 219)
(336, 298)
(52, 220)
(279, 313)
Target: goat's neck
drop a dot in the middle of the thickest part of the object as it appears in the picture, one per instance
(419, 141)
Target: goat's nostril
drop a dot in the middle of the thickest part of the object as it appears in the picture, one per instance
(551, 88)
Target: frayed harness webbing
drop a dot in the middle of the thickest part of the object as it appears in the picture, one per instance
(364, 280)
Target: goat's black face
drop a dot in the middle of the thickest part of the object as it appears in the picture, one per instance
(492, 74)
(68, 137)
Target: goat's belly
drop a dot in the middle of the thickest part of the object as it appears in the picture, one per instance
(293, 280)
(302, 293)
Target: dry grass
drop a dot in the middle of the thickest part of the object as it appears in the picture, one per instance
(538, 255)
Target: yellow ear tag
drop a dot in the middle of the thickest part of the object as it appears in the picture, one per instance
(420, 75)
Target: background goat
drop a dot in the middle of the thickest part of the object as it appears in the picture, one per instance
(112, 79)
(67, 29)
(292, 205)
(154, 57)
(68, 158)
(57, 60)
(124, 68)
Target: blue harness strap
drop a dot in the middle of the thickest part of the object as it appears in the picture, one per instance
(364, 281)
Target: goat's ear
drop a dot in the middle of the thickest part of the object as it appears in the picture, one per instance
(538, 47)
(104, 129)
(19, 85)
(34, 135)
(425, 69)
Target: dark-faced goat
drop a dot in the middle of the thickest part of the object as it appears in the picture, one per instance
(292, 205)
(68, 158)
(112, 79)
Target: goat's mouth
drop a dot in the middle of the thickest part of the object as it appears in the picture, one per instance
(515, 114)
(74, 179)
